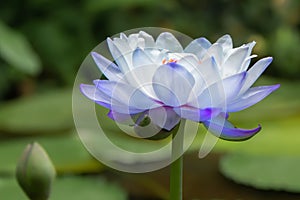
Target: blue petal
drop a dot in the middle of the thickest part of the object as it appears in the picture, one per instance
(140, 58)
(167, 41)
(164, 117)
(108, 68)
(223, 129)
(198, 47)
(251, 97)
(254, 72)
(196, 114)
(173, 84)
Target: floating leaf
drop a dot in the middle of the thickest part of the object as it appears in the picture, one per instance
(66, 152)
(16, 50)
(263, 172)
(41, 113)
(75, 188)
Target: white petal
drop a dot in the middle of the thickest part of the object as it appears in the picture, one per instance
(141, 77)
(234, 63)
(226, 42)
(173, 84)
(209, 71)
(198, 47)
(91, 92)
(232, 85)
(219, 94)
(123, 36)
(248, 59)
(215, 51)
(128, 96)
(139, 58)
(118, 56)
(108, 68)
(251, 97)
(254, 72)
(169, 42)
(149, 41)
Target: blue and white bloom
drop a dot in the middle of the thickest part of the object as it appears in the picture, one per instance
(160, 82)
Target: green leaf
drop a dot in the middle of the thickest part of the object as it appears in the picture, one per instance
(41, 113)
(66, 152)
(263, 172)
(70, 187)
(16, 50)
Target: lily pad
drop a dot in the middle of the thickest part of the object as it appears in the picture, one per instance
(16, 51)
(63, 188)
(66, 152)
(263, 172)
(42, 113)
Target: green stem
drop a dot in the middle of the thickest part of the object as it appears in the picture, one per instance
(177, 165)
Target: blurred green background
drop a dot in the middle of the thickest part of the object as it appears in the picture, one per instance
(43, 42)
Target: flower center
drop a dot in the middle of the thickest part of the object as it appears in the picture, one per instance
(170, 60)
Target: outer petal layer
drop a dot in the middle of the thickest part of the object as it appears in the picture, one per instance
(251, 97)
(196, 114)
(108, 68)
(223, 129)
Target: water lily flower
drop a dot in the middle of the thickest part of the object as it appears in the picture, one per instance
(158, 82)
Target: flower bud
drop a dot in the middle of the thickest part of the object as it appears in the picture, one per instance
(35, 172)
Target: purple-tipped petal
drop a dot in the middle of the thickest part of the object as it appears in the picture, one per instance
(173, 84)
(251, 97)
(254, 72)
(91, 92)
(196, 114)
(108, 68)
(167, 41)
(125, 94)
(164, 117)
(223, 129)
